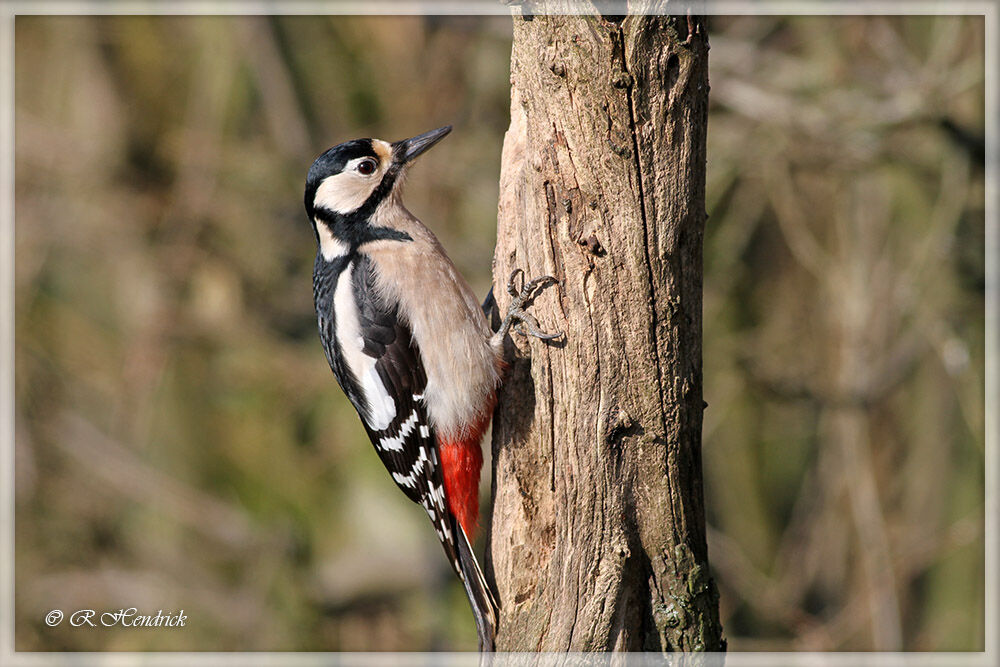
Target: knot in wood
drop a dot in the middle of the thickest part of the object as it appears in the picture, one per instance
(619, 425)
(593, 245)
(622, 80)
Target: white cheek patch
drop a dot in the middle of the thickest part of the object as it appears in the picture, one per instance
(381, 407)
(329, 246)
(346, 191)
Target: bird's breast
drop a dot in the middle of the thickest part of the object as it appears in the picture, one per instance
(448, 326)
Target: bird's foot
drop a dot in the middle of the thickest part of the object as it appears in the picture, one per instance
(517, 317)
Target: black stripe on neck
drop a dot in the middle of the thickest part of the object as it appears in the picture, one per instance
(356, 233)
(355, 228)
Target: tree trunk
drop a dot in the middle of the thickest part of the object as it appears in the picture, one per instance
(598, 529)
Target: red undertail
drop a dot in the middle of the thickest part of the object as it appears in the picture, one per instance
(461, 461)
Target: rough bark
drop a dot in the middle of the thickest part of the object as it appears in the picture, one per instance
(597, 539)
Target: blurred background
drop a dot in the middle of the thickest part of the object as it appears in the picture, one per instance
(181, 442)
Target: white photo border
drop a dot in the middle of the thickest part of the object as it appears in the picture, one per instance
(10, 9)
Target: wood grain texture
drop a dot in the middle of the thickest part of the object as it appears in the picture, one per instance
(597, 538)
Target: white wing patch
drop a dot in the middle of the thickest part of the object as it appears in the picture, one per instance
(418, 465)
(381, 407)
(434, 506)
(396, 444)
(437, 496)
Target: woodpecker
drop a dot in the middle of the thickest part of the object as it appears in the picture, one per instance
(408, 341)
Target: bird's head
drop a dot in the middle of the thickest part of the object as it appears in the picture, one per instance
(351, 179)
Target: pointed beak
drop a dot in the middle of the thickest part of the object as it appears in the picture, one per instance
(406, 150)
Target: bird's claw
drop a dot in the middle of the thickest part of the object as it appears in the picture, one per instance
(524, 293)
(526, 324)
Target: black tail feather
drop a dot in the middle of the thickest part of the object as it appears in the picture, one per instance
(484, 606)
(491, 310)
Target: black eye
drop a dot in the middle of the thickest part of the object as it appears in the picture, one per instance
(366, 167)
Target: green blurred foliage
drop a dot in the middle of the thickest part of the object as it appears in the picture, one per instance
(181, 442)
(844, 319)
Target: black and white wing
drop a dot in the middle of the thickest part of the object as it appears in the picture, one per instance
(377, 362)
(406, 443)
